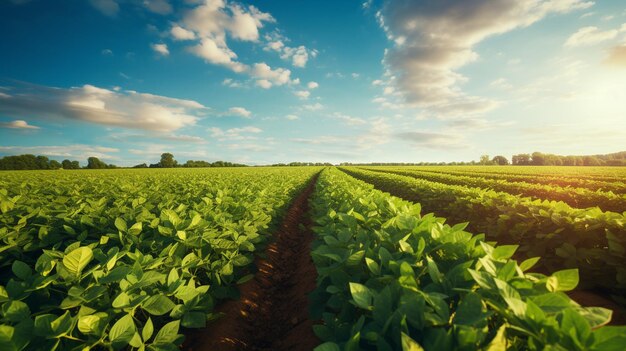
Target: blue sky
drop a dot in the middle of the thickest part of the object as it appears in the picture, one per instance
(281, 81)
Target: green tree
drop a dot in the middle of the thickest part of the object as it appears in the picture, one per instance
(484, 160)
(500, 160)
(54, 164)
(167, 160)
(95, 163)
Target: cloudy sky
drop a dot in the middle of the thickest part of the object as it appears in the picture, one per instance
(280, 81)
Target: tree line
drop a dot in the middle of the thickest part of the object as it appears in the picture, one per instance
(32, 162)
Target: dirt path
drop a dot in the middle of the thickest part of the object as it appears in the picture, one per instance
(273, 311)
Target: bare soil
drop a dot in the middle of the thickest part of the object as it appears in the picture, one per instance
(273, 311)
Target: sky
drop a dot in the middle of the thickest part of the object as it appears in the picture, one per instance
(264, 82)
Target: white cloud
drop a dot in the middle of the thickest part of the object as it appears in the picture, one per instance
(162, 7)
(239, 111)
(377, 82)
(262, 71)
(299, 56)
(184, 138)
(107, 7)
(107, 52)
(432, 140)
(349, 120)
(212, 22)
(160, 49)
(622, 28)
(17, 124)
(229, 82)
(292, 117)
(312, 85)
(264, 83)
(434, 39)
(180, 33)
(590, 35)
(234, 134)
(313, 107)
(128, 109)
(355, 75)
(302, 94)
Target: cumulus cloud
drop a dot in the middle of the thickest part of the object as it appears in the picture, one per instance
(268, 76)
(302, 94)
(180, 33)
(160, 49)
(17, 124)
(107, 7)
(212, 22)
(127, 109)
(433, 39)
(589, 36)
(299, 56)
(239, 111)
(162, 7)
(312, 85)
(292, 117)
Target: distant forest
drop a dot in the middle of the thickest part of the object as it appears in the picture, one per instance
(32, 162)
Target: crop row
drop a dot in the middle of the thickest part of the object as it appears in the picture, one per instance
(105, 260)
(591, 173)
(617, 187)
(575, 197)
(391, 279)
(564, 237)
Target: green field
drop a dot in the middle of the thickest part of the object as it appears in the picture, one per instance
(407, 258)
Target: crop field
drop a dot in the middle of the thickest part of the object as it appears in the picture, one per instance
(325, 258)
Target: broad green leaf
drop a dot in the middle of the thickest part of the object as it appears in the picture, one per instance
(168, 333)
(148, 330)
(135, 229)
(408, 344)
(21, 270)
(158, 305)
(78, 259)
(361, 295)
(122, 331)
(564, 280)
(120, 224)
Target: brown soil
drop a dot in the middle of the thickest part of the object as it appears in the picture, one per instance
(273, 311)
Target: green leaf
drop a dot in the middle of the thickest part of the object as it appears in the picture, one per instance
(372, 266)
(158, 305)
(89, 324)
(361, 295)
(564, 280)
(168, 333)
(122, 331)
(63, 325)
(503, 252)
(77, 259)
(21, 270)
(120, 224)
(498, 343)
(408, 344)
(15, 311)
(148, 330)
(327, 346)
(529, 263)
(135, 229)
(194, 320)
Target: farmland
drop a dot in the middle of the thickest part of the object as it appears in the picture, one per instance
(283, 258)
